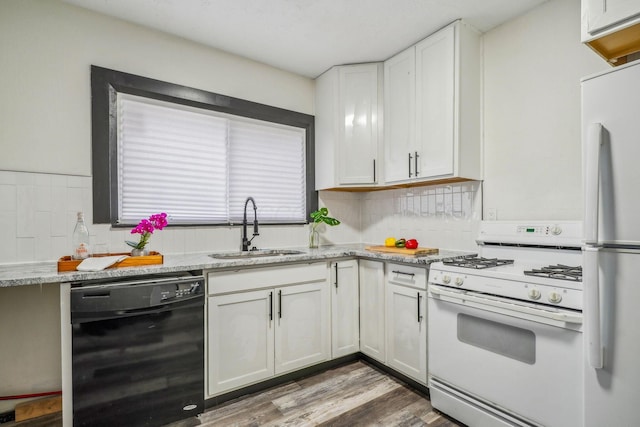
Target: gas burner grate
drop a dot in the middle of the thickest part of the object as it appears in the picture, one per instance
(559, 271)
(476, 262)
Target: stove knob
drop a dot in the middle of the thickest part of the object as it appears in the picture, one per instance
(555, 298)
(459, 281)
(556, 230)
(534, 294)
(446, 280)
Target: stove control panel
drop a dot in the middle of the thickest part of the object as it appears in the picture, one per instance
(458, 281)
(561, 293)
(546, 230)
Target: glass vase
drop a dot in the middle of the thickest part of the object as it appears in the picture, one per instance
(314, 238)
(139, 252)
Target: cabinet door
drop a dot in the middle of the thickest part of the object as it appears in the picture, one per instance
(240, 340)
(601, 14)
(399, 116)
(372, 309)
(435, 104)
(302, 326)
(407, 331)
(358, 123)
(345, 328)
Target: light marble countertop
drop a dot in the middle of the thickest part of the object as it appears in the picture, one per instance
(46, 272)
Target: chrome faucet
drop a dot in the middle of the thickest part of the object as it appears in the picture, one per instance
(245, 241)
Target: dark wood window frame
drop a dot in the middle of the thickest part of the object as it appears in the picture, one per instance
(106, 83)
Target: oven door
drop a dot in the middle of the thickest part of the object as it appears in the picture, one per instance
(514, 360)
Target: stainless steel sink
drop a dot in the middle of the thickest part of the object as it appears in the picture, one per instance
(255, 254)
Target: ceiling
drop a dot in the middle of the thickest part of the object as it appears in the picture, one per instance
(307, 37)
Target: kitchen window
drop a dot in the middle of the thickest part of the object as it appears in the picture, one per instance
(195, 155)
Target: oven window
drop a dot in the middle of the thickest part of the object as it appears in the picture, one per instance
(506, 340)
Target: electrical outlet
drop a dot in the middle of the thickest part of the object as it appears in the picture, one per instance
(492, 214)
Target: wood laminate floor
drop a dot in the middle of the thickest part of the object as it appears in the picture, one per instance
(356, 394)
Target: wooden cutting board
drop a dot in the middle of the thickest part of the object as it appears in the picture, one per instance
(403, 251)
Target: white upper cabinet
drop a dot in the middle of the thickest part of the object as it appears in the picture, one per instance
(612, 28)
(435, 92)
(348, 106)
(602, 14)
(399, 110)
(432, 108)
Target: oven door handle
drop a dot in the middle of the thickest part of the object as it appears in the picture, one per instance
(466, 297)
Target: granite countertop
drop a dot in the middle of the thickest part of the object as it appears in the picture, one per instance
(46, 272)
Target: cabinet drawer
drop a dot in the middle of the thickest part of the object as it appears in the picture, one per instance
(264, 277)
(415, 277)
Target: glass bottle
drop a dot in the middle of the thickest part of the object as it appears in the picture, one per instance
(81, 247)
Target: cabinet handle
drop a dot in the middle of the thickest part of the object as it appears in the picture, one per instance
(410, 157)
(419, 315)
(279, 304)
(336, 282)
(271, 305)
(415, 160)
(374, 171)
(402, 272)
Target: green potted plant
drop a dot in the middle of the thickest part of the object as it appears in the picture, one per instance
(319, 217)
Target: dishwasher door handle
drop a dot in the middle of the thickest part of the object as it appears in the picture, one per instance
(95, 315)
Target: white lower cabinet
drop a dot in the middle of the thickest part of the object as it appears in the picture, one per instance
(241, 349)
(266, 321)
(301, 326)
(345, 328)
(254, 334)
(406, 319)
(372, 309)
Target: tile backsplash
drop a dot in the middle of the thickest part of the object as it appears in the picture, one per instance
(444, 216)
(38, 214)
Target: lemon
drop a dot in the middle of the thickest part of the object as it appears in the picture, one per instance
(390, 241)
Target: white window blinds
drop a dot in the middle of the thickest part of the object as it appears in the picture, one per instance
(199, 166)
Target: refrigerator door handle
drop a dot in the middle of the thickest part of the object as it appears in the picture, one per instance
(592, 182)
(591, 283)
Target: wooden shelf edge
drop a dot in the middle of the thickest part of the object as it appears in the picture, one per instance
(405, 185)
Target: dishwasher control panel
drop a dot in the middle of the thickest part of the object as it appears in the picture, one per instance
(183, 289)
(129, 295)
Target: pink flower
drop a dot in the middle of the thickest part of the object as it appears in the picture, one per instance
(146, 227)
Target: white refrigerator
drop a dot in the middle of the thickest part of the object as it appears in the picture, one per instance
(611, 264)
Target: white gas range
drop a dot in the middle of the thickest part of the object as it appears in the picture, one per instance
(505, 327)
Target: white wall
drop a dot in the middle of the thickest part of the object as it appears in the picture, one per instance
(47, 49)
(532, 155)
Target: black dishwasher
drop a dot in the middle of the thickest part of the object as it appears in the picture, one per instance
(137, 350)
